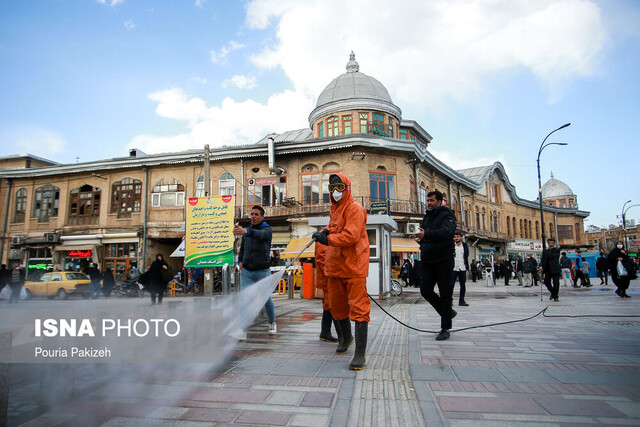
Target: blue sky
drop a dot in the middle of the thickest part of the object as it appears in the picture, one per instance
(488, 79)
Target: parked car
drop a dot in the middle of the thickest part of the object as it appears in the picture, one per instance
(59, 284)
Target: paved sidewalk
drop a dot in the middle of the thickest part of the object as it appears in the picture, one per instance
(555, 371)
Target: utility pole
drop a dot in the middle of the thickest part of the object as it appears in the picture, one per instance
(208, 272)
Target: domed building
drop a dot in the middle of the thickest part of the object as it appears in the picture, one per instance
(557, 193)
(136, 203)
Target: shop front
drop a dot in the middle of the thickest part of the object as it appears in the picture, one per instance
(120, 257)
(39, 261)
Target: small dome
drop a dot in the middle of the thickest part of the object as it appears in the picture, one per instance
(555, 188)
(354, 90)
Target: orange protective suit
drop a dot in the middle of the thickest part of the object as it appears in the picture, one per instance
(321, 279)
(347, 259)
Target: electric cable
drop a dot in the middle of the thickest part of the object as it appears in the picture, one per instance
(543, 312)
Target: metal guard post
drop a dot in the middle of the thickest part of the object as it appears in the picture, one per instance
(226, 279)
(236, 279)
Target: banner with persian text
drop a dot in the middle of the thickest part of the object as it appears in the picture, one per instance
(209, 231)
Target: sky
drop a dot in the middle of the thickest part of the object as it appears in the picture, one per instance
(83, 80)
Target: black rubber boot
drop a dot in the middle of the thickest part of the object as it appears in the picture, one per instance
(325, 327)
(345, 336)
(359, 362)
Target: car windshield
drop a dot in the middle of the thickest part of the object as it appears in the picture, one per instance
(76, 276)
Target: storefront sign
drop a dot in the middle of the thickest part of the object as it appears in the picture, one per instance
(209, 231)
(525, 245)
(79, 254)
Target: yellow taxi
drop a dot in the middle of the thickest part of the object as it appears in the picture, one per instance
(59, 284)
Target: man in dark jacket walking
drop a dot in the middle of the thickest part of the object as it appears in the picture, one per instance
(602, 268)
(96, 277)
(254, 260)
(437, 247)
(550, 265)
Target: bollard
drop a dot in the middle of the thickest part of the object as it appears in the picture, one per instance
(237, 278)
(226, 279)
(290, 286)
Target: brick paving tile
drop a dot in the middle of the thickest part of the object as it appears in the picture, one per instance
(502, 405)
(318, 399)
(229, 395)
(578, 407)
(263, 417)
(202, 404)
(107, 408)
(211, 415)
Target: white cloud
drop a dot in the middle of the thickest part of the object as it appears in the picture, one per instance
(430, 52)
(111, 3)
(241, 82)
(129, 25)
(34, 140)
(200, 3)
(220, 57)
(230, 123)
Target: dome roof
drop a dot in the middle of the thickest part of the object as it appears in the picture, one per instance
(555, 188)
(354, 90)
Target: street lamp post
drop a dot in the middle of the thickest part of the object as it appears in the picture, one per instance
(624, 223)
(542, 147)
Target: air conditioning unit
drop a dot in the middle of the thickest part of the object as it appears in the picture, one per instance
(17, 240)
(413, 227)
(52, 237)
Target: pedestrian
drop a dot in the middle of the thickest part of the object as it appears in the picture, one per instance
(437, 249)
(17, 281)
(505, 270)
(5, 276)
(602, 268)
(474, 271)
(565, 269)
(578, 271)
(406, 271)
(416, 276)
(155, 279)
(586, 268)
(347, 267)
(95, 276)
(534, 270)
(460, 266)
(517, 264)
(616, 256)
(254, 260)
(527, 269)
(107, 282)
(550, 266)
(322, 283)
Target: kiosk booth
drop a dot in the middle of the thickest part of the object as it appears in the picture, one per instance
(379, 228)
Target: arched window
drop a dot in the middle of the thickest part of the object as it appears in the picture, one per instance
(521, 230)
(423, 197)
(526, 230)
(45, 202)
(84, 205)
(508, 227)
(466, 214)
(332, 126)
(477, 218)
(530, 230)
(484, 224)
(227, 184)
(126, 197)
(537, 230)
(346, 125)
(551, 230)
(164, 195)
(454, 206)
(21, 205)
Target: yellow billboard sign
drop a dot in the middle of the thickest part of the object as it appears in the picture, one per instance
(209, 234)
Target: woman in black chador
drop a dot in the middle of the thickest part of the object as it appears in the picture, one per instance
(156, 278)
(107, 282)
(622, 282)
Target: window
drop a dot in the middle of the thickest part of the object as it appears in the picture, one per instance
(565, 232)
(267, 191)
(346, 125)
(377, 124)
(382, 187)
(364, 119)
(495, 193)
(227, 184)
(200, 190)
(403, 134)
(311, 189)
(21, 205)
(537, 230)
(423, 197)
(466, 214)
(513, 223)
(571, 203)
(84, 207)
(551, 229)
(484, 223)
(477, 218)
(126, 196)
(332, 126)
(164, 195)
(45, 202)
(390, 127)
(521, 230)
(320, 130)
(508, 227)
(454, 207)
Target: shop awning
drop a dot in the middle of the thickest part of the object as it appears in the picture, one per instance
(486, 248)
(65, 248)
(181, 250)
(295, 246)
(404, 244)
(280, 237)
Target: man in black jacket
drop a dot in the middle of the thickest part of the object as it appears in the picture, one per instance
(437, 248)
(254, 259)
(550, 265)
(602, 268)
